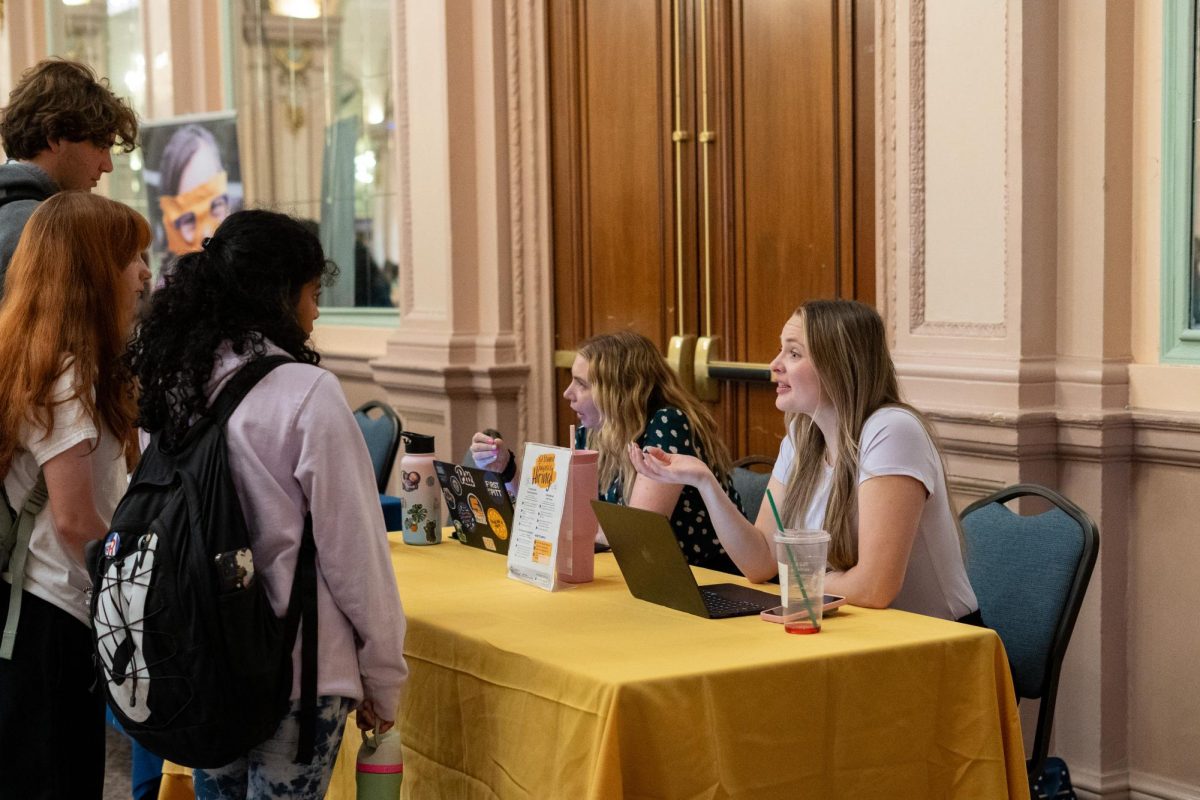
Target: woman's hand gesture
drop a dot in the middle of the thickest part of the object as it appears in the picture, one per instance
(659, 465)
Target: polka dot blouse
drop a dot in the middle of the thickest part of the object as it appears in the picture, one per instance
(669, 429)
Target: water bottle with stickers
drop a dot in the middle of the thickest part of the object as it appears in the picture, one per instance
(420, 491)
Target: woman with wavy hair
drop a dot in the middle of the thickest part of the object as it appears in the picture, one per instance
(856, 461)
(66, 423)
(624, 391)
(294, 448)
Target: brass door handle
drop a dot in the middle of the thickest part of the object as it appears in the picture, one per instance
(708, 370)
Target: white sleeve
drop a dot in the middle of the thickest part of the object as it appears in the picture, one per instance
(894, 442)
(783, 462)
(353, 556)
(69, 426)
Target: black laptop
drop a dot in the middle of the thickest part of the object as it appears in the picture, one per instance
(480, 509)
(656, 571)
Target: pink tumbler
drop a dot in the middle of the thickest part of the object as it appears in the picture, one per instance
(577, 535)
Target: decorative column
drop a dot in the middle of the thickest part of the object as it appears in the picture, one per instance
(285, 108)
(1096, 432)
(22, 40)
(474, 271)
(1004, 184)
(182, 43)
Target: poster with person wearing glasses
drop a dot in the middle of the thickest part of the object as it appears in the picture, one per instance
(193, 179)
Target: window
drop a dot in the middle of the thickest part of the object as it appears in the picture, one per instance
(311, 86)
(317, 88)
(1180, 330)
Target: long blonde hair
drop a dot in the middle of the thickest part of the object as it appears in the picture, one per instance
(630, 380)
(62, 299)
(848, 347)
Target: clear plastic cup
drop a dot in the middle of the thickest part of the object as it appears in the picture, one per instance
(801, 556)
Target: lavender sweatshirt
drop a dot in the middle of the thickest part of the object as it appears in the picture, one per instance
(294, 446)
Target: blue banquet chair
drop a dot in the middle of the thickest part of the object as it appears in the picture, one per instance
(1030, 574)
(751, 485)
(382, 433)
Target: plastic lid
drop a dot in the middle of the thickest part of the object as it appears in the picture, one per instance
(417, 443)
(801, 535)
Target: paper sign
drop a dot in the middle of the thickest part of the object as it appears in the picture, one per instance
(532, 556)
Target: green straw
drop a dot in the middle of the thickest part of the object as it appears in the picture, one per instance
(792, 559)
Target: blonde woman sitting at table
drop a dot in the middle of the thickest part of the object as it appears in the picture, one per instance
(857, 462)
(623, 390)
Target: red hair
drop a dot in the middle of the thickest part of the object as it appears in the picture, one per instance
(63, 299)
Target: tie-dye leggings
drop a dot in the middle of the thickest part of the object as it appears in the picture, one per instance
(269, 770)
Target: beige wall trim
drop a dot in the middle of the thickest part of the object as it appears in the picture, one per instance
(972, 487)
(1004, 436)
(1161, 438)
(1107, 786)
(1134, 785)
(504, 380)
(1144, 786)
(355, 366)
(1146, 437)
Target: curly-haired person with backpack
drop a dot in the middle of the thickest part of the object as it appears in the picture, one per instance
(66, 423)
(294, 452)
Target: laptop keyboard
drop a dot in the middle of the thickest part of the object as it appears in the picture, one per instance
(720, 607)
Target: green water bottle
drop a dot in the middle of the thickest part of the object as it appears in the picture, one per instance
(380, 769)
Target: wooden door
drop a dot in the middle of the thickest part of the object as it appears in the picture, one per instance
(712, 167)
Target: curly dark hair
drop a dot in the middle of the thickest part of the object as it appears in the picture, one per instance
(242, 288)
(60, 99)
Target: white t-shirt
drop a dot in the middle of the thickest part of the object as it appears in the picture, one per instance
(50, 573)
(894, 442)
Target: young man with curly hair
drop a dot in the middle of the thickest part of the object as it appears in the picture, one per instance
(58, 131)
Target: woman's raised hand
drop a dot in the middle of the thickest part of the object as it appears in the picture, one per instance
(659, 465)
(489, 453)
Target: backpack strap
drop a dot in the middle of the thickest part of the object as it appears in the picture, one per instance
(9, 196)
(240, 384)
(303, 606)
(34, 504)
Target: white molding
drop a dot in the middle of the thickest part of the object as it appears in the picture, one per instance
(886, 220)
(529, 189)
(1146, 786)
(1092, 785)
(916, 164)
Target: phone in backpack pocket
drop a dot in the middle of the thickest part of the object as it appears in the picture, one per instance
(235, 570)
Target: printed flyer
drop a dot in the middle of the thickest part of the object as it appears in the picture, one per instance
(541, 499)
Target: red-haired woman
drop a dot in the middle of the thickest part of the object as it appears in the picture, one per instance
(66, 415)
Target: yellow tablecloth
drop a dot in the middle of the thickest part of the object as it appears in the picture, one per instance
(590, 693)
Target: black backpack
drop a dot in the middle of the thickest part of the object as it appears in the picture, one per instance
(196, 666)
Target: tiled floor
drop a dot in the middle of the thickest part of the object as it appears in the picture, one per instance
(116, 767)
